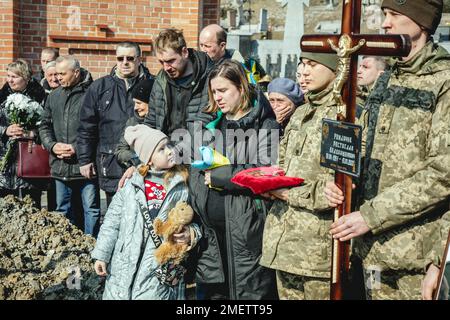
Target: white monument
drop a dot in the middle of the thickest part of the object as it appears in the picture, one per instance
(293, 31)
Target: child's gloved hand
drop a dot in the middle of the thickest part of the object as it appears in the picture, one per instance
(100, 268)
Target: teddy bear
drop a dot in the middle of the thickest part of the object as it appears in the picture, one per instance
(178, 217)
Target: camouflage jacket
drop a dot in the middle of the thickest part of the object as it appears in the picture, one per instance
(407, 168)
(435, 255)
(296, 238)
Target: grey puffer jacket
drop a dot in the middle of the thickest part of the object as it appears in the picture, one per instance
(120, 239)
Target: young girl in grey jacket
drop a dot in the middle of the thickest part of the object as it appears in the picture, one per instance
(126, 243)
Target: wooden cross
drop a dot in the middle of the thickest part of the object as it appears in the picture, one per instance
(348, 45)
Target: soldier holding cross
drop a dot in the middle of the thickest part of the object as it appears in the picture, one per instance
(296, 241)
(406, 179)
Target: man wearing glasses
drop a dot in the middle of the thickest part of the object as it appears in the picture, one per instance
(107, 107)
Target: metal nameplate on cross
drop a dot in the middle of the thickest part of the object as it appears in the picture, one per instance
(341, 147)
(348, 45)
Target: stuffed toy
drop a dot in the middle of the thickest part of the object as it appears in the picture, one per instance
(178, 217)
(263, 179)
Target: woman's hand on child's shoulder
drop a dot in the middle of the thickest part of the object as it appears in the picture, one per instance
(100, 268)
(127, 175)
(183, 237)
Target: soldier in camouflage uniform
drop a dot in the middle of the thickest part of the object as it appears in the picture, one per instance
(296, 239)
(406, 181)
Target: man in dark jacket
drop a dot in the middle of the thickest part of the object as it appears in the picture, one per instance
(180, 90)
(213, 42)
(58, 133)
(107, 106)
(50, 83)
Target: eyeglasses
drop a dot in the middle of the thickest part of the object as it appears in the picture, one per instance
(130, 59)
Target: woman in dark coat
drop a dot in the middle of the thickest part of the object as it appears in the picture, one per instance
(18, 81)
(232, 217)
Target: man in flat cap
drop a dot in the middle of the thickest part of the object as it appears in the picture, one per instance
(406, 180)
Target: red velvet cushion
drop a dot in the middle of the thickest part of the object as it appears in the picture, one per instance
(263, 179)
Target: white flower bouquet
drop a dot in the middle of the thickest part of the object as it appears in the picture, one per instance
(25, 112)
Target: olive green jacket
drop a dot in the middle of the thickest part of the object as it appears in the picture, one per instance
(296, 235)
(407, 170)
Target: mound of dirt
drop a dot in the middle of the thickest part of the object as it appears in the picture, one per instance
(43, 256)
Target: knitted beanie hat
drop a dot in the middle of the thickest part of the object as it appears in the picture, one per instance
(143, 140)
(288, 88)
(329, 60)
(426, 13)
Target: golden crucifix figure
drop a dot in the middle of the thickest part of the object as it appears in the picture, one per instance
(344, 53)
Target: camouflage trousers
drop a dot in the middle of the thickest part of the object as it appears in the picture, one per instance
(393, 285)
(295, 287)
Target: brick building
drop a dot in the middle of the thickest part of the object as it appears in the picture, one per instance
(91, 29)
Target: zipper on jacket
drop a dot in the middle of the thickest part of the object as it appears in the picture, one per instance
(66, 111)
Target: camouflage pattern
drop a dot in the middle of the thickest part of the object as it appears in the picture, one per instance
(293, 287)
(296, 236)
(398, 285)
(363, 92)
(406, 178)
(438, 241)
